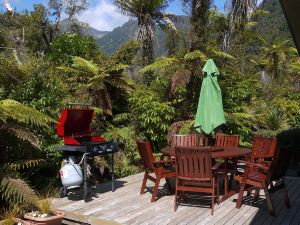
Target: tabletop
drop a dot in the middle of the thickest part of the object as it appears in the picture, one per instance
(217, 152)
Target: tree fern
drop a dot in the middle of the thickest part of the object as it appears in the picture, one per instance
(13, 110)
(13, 189)
(197, 54)
(159, 64)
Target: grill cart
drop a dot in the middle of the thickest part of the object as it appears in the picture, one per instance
(74, 126)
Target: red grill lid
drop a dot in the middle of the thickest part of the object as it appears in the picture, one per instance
(75, 122)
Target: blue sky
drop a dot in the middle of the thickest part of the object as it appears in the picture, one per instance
(101, 14)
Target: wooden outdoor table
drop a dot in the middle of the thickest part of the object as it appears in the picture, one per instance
(224, 153)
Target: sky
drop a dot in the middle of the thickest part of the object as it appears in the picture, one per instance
(101, 14)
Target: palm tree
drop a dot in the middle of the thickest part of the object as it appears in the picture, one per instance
(148, 13)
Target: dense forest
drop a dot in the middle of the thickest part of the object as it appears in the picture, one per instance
(137, 91)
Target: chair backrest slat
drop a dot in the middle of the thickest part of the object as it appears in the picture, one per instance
(188, 140)
(145, 151)
(227, 140)
(193, 162)
(263, 147)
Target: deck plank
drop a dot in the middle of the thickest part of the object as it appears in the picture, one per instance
(127, 206)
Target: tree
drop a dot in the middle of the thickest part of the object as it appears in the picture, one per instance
(199, 21)
(274, 56)
(64, 48)
(97, 81)
(148, 14)
(240, 12)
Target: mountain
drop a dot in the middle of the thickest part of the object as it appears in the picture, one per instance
(111, 41)
(94, 32)
(84, 28)
(273, 26)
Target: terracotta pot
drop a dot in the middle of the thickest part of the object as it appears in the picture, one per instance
(27, 222)
(52, 220)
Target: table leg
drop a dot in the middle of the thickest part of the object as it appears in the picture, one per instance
(112, 173)
(85, 184)
(228, 192)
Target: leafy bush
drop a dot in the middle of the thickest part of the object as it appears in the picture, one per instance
(69, 45)
(290, 108)
(237, 91)
(151, 116)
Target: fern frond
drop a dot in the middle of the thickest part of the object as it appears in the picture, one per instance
(180, 78)
(24, 135)
(86, 66)
(16, 190)
(121, 117)
(197, 54)
(23, 164)
(68, 70)
(159, 64)
(118, 67)
(11, 109)
(222, 55)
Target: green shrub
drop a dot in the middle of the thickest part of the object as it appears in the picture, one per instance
(151, 116)
(291, 109)
(64, 48)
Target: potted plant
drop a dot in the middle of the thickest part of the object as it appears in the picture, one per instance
(44, 214)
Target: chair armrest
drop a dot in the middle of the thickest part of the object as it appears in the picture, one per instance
(163, 161)
(249, 164)
(216, 166)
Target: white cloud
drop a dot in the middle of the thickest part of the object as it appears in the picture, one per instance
(104, 16)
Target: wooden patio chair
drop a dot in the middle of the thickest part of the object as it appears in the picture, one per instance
(153, 166)
(195, 173)
(266, 164)
(188, 140)
(225, 140)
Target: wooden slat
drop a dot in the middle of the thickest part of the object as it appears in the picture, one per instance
(127, 206)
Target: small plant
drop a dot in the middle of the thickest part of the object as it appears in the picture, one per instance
(8, 215)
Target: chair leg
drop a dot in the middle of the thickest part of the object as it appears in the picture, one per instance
(155, 190)
(218, 192)
(256, 194)
(269, 202)
(213, 197)
(144, 183)
(286, 196)
(240, 196)
(176, 195)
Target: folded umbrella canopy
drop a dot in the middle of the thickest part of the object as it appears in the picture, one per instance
(210, 113)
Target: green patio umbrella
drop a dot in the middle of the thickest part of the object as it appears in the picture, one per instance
(210, 113)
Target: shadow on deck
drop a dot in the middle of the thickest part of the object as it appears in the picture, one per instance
(127, 206)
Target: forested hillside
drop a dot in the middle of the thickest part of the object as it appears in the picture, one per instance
(111, 41)
(272, 25)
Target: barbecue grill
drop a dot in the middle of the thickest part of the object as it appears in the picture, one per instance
(74, 126)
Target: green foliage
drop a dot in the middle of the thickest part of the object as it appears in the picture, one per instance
(128, 156)
(42, 90)
(275, 119)
(13, 189)
(64, 48)
(290, 108)
(237, 91)
(152, 117)
(126, 53)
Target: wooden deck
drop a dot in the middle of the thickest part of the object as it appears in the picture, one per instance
(127, 206)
